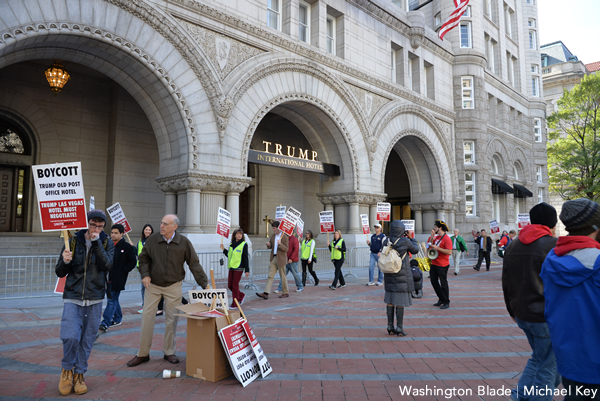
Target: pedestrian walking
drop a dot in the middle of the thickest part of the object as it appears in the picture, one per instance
(292, 264)
(338, 254)
(308, 257)
(439, 266)
(458, 247)
(237, 264)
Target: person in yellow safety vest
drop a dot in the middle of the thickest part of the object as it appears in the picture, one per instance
(308, 257)
(146, 232)
(338, 253)
(237, 264)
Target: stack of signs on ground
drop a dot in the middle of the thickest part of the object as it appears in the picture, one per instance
(326, 220)
(118, 216)
(240, 353)
(289, 221)
(206, 297)
(265, 366)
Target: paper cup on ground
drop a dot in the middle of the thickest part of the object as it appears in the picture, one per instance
(170, 374)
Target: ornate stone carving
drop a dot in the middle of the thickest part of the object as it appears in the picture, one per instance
(437, 206)
(202, 182)
(223, 52)
(351, 197)
(416, 36)
(370, 102)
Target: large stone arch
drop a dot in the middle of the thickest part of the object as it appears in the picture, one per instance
(496, 147)
(517, 154)
(420, 131)
(142, 53)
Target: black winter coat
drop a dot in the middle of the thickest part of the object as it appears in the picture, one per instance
(403, 280)
(488, 244)
(86, 274)
(123, 262)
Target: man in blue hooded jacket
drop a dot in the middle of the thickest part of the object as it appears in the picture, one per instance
(571, 276)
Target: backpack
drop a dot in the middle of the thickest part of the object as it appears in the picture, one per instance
(390, 260)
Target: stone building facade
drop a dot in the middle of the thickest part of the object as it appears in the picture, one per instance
(172, 103)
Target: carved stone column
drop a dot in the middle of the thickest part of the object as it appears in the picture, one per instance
(347, 208)
(170, 203)
(354, 219)
(192, 210)
(233, 206)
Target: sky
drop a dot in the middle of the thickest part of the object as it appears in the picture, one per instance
(575, 23)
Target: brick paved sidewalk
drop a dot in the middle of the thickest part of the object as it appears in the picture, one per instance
(322, 344)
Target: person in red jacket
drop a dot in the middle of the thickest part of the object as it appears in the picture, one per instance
(292, 264)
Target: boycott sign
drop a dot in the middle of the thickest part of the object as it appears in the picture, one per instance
(300, 228)
(223, 223)
(289, 221)
(118, 216)
(494, 227)
(365, 223)
(240, 353)
(207, 296)
(409, 225)
(61, 201)
(326, 221)
(265, 366)
(523, 219)
(384, 211)
(279, 213)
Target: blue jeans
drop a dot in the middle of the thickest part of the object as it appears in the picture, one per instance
(112, 312)
(78, 329)
(540, 371)
(292, 267)
(372, 266)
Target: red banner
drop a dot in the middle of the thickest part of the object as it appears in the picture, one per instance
(63, 214)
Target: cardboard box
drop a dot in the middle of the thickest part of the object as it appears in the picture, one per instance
(205, 357)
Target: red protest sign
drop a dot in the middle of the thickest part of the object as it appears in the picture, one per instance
(326, 221)
(59, 288)
(61, 201)
(118, 216)
(365, 224)
(524, 220)
(494, 227)
(240, 353)
(223, 222)
(289, 221)
(384, 211)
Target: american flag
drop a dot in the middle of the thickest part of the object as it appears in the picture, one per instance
(454, 18)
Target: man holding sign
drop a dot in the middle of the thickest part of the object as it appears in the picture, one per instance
(85, 264)
(278, 244)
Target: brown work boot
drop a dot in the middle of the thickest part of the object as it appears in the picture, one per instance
(65, 386)
(79, 384)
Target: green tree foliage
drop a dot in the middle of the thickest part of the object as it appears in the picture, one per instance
(574, 146)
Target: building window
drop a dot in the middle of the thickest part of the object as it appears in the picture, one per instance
(540, 195)
(532, 2)
(393, 65)
(468, 98)
(495, 166)
(414, 72)
(488, 8)
(535, 87)
(470, 194)
(516, 172)
(467, 12)
(469, 147)
(493, 56)
(437, 21)
(330, 35)
(531, 23)
(465, 34)
(537, 129)
(429, 89)
(509, 69)
(397, 64)
(508, 20)
(496, 207)
(304, 21)
(274, 14)
(535, 69)
(538, 174)
(532, 40)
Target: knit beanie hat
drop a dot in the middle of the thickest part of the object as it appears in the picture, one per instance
(543, 214)
(580, 216)
(96, 214)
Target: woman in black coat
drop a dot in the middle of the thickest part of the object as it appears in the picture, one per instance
(399, 286)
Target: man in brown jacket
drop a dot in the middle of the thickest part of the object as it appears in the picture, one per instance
(161, 266)
(278, 244)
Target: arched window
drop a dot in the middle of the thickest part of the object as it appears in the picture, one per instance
(11, 140)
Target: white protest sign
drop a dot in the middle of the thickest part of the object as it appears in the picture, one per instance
(409, 225)
(242, 359)
(265, 366)
(364, 218)
(223, 222)
(300, 228)
(523, 219)
(61, 201)
(494, 227)
(326, 221)
(118, 216)
(384, 211)
(207, 296)
(279, 213)
(289, 221)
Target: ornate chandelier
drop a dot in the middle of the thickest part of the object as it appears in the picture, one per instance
(57, 77)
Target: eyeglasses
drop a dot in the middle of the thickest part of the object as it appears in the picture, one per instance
(96, 226)
(162, 223)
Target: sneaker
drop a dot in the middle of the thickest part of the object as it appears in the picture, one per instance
(102, 328)
(299, 289)
(243, 299)
(113, 324)
(331, 287)
(378, 284)
(342, 286)
(370, 283)
(65, 385)
(78, 384)
(159, 313)
(276, 292)
(141, 311)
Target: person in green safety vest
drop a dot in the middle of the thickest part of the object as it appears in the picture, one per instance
(308, 257)
(237, 264)
(338, 254)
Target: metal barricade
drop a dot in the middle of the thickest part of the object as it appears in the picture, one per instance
(359, 257)
(216, 261)
(27, 276)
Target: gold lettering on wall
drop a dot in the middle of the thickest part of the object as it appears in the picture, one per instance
(291, 151)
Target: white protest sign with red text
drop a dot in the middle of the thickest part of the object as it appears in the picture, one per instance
(523, 219)
(494, 227)
(384, 211)
(61, 201)
(289, 221)
(326, 221)
(118, 216)
(364, 218)
(240, 353)
(300, 228)
(265, 366)
(279, 213)
(223, 222)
